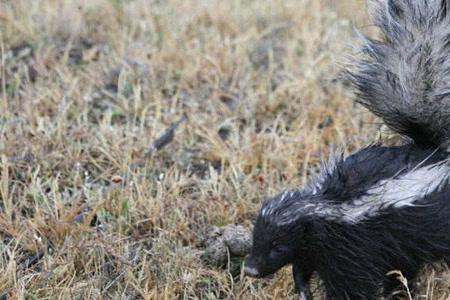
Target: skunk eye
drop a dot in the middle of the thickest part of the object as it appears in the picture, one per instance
(279, 249)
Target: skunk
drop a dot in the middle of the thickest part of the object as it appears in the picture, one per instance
(382, 208)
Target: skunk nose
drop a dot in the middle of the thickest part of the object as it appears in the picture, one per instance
(252, 272)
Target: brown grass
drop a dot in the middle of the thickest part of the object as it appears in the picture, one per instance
(87, 86)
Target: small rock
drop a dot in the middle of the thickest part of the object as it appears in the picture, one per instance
(238, 239)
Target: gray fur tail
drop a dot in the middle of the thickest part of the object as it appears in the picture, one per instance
(404, 78)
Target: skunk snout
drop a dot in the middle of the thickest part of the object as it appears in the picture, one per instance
(251, 267)
(251, 271)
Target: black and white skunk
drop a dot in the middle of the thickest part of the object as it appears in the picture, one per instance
(382, 208)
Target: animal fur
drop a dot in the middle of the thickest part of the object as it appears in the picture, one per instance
(382, 208)
(404, 79)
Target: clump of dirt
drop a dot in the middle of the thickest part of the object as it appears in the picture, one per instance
(233, 241)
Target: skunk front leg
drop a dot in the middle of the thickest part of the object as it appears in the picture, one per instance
(301, 279)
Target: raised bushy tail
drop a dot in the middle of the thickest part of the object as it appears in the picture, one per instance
(404, 78)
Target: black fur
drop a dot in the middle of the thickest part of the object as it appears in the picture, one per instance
(353, 259)
(404, 77)
(353, 176)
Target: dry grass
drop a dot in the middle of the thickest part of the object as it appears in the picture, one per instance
(87, 86)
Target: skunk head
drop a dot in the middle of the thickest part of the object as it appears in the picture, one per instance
(275, 243)
(272, 249)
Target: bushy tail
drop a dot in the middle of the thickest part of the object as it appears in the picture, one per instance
(405, 77)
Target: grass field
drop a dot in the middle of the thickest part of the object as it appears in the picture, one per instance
(90, 210)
